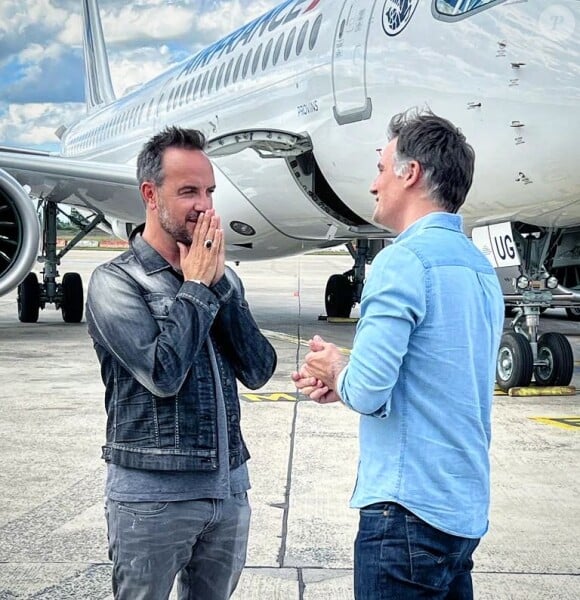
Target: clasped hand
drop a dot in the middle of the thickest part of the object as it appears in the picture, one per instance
(316, 378)
(204, 260)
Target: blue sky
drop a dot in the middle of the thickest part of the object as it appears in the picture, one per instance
(41, 60)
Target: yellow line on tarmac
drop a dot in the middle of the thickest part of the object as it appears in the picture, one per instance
(571, 422)
(284, 337)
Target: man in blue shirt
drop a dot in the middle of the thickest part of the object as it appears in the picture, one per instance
(421, 374)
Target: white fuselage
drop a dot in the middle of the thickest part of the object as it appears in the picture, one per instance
(335, 74)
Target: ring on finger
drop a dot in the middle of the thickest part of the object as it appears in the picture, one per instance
(208, 244)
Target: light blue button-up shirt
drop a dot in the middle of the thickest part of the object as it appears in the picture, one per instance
(421, 374)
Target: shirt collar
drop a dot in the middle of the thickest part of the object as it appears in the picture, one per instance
(441, 219)
(151, 261)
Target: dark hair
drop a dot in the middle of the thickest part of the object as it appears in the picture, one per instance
(149, 161)
(447, 160)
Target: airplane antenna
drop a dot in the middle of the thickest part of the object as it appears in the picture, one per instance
(98, 85)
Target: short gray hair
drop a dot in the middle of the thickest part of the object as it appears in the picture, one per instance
(446, 159)
(150, 159)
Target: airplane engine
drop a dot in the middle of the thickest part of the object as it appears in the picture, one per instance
(19, 233)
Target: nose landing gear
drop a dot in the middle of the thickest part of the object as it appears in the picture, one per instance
(548, 359)
(344, 290)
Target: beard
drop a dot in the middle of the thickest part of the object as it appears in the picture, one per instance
(178, 231)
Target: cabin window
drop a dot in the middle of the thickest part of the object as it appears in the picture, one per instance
(256, 59)
(184, 90)
(189, 94)
(450, 9)
(278, 49)
(150, 108)
(247, 63)
(266, 56)
(289, 44)
(170, 98)
(203, 83)
(211, 80)
(314, 32)
(301, 38)
(197, 84)
(220, 76)
(229, 71)
(237, 69)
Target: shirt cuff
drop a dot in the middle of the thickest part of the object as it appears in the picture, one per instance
(339, 382)
(222, 289)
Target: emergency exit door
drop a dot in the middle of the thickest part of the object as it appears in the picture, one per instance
(351, 101)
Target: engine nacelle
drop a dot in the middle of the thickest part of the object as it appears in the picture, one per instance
(122, 229)
(19, 233)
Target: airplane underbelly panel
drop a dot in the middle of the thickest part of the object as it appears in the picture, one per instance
(271, 189)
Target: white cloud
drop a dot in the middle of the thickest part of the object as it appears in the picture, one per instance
(34, 124)
(40, 52)
(129, 69)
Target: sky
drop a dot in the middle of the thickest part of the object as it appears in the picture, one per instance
(41, 55)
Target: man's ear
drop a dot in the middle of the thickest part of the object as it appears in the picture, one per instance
(412, 174)
(148, 192)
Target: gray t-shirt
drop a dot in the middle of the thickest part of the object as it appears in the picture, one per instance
(138, 485)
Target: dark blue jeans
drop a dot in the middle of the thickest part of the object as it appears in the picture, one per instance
(398, 556)
(200, 543)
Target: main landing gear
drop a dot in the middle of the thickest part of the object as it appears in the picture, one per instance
(67, 295)
(344, 290)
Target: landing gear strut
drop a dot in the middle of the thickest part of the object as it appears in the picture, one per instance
(66, 296)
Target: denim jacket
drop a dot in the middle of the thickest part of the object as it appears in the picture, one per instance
(151, 333)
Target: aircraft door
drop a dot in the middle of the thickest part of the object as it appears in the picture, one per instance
(349, 85)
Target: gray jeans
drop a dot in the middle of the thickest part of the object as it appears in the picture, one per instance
(202, 543)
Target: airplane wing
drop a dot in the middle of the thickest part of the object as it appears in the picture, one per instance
(105, 187)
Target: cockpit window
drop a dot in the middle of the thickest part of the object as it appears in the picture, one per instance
(458, 9)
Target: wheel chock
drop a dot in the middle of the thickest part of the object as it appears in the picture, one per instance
(349, 320)
(554, 390)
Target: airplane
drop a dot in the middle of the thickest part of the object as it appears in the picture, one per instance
(294, 105)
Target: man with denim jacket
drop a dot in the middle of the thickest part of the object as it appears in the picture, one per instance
(421, 374)
(173, 333)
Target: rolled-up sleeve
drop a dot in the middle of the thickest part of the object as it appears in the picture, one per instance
(393, 304)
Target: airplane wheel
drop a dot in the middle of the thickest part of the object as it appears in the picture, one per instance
(515, 361)
(555, 349)
(29, 299)
(72, 298)
(573, 313)
(338, 296)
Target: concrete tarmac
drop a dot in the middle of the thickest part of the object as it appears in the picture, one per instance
(52, 530)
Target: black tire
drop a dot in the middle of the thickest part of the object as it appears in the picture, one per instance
(72, 298)
(338, 297)
(556, 350)
(29, 299)
(573, 313)
(515, 361)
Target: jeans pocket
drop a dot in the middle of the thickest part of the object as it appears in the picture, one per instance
(432, 553)
(143, 508)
